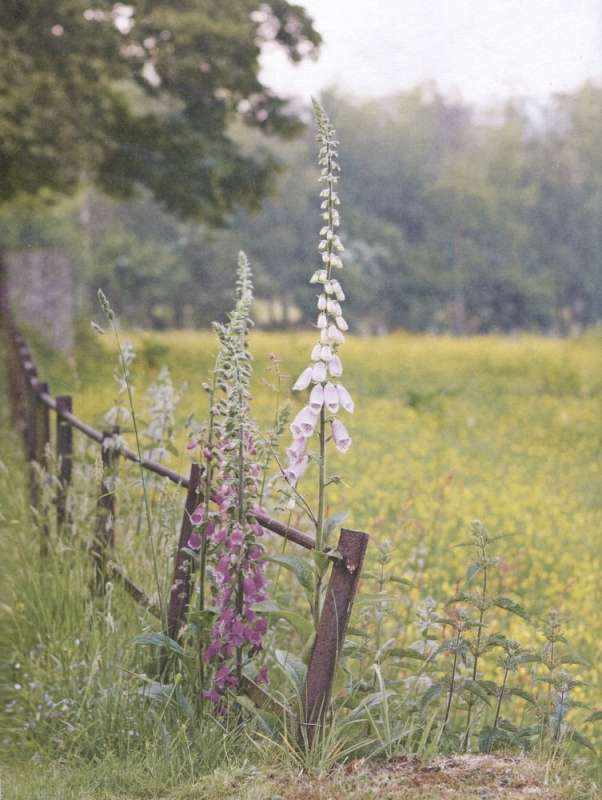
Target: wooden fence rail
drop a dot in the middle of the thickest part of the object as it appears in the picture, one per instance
(31, 404)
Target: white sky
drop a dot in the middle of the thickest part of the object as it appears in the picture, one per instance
(483, 49)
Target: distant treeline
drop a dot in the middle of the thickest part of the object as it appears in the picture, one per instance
(453, 220)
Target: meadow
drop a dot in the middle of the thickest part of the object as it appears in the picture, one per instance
(505, 430)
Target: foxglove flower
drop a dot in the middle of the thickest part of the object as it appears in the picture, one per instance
(325, 396)
(341, 438)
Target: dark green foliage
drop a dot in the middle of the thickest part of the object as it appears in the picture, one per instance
(97, 94)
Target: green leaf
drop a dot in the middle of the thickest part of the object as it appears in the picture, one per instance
(406, 652)
(321, 562)
(472, 571)
(302, 625)
(595, 716)
(334, 522)
(524, 695)
(573, 658)
(578, 737)
(432, 693)
(159, 640)
(402, 581)
(474, 688)
(510, 605)
(301, 569)
(293, 668)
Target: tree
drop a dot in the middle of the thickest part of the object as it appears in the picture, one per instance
(143, 94)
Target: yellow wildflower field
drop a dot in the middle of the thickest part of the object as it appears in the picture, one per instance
(446, 430)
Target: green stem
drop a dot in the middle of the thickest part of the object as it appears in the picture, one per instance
(320, 520)
(477, 653)
(498, 708)
(453, 679)
(142, 475)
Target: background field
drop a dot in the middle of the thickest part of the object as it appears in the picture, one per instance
(507, 430)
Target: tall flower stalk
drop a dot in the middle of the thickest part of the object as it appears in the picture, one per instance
(227, 535)
(320, 378)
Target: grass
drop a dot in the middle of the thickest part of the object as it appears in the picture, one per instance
(446, 430)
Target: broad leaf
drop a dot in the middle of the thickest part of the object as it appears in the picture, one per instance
(159, 640)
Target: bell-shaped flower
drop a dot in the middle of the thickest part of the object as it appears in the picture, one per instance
(329, 287)
(326, 353)
(198, 515)
(345, 398)
(316, 398)
(324, 336)
(335, 335)
(319, 276)
(340, 435)
(335, 367)
(322, 320)
(322, 302)
(296, 470)
(304, 423)
(318, 373)
(315, 353)
(342, 324)
(331, 398)
(297, 449)
(303, 380)
(331, 305)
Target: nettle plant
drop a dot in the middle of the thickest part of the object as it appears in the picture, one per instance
(463, 684)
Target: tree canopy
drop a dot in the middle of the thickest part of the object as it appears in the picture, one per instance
(143, 93)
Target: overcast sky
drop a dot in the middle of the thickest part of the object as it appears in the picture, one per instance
(483, 49)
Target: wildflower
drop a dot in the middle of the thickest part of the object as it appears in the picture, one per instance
(325, 396)
(341, 438)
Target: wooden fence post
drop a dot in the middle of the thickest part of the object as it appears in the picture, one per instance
(64, 455)
(105, 510)
(42, 414)
(332, 627)
(184, 566)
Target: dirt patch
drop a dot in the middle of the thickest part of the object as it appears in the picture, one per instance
(469, 777)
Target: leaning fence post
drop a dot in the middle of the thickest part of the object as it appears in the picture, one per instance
(105, 510)
(332, 627)
(64, 455)
(42, 443)
(181, 585)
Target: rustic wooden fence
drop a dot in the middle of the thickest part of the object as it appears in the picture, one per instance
(31, 405)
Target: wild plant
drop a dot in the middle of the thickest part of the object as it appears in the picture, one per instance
(325, 396)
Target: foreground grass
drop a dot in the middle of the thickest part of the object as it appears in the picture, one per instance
(442, 778)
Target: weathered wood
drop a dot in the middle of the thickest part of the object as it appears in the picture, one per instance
(332, 627)
(105, 510)
(184, 566)
(42, 446)
(64, 455)
(117, 573)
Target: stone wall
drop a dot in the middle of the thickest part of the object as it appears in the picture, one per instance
(40, 292)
